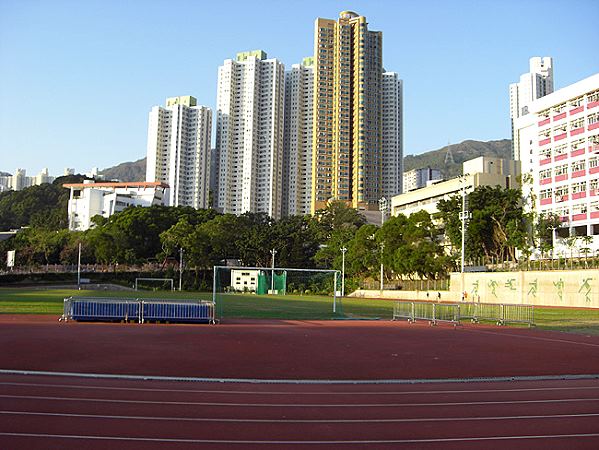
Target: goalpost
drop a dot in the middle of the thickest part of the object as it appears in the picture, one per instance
(246, 289)
(162, 280)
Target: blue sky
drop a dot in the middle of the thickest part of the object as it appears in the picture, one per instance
(78, 78)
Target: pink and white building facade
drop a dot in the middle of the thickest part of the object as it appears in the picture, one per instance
(558, 146)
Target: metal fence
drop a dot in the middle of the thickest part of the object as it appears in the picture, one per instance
(137, 310)
(433, 312)
(455, 312)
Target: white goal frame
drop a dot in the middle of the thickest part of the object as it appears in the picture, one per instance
(335, 273)
(156, 279)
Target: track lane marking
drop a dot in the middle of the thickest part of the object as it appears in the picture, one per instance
(236, 420)
(538, 338)
(297, 405)
(207, 391)
(281, 442)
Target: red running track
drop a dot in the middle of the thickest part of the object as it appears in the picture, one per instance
(41, 412)
(70, 413)
(336, 350)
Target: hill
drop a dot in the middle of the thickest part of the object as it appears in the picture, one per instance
(136, 171)
(127, 171)
(436, 159)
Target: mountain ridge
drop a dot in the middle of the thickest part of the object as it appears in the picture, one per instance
(435, 159)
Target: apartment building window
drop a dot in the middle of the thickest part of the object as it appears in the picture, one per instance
(578, 166)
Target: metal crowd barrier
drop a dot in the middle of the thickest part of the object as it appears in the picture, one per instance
(433, 312)
(138, 310)
(455, 312)
(176, 311)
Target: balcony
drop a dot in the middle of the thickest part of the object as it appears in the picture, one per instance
(581, 216)
(578, 195)
(561, 177)
(545, 161)
(577, 131)
(545, 181)
(544, 122)
(546, 201)
(577, 152)
(579, 173)
(560, 157)
(576, 110)
(559, 137)
(594, 169)
(559, 116)
(544, 141)
(592, 104)
(595, 215)
(594, 126)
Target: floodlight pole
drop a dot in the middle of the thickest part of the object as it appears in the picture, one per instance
(464, 216)
(382, 268)
(273, 252)
(180, 267)
(343, 250)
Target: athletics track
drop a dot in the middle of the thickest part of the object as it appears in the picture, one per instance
(359, 385)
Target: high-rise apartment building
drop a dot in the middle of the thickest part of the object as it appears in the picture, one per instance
(347, 135)
(297, 146)
(392, 137)
(179, 150)
(249, 134)
(559, 152)
(535, 84)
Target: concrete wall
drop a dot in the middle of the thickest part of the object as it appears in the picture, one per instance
(578, 288)
(574, 288)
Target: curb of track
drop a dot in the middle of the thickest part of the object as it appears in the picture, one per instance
(299, 381)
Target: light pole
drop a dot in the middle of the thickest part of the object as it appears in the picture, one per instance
(382, 249)
(343, 250)
(180, 267)
(273, 252)
(383, 205)
(79, 268)
(464, 216)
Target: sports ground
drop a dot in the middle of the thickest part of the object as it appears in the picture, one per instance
(294, 384)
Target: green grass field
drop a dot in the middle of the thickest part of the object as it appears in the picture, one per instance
(290, 307)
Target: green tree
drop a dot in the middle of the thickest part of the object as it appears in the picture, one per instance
(497, 226)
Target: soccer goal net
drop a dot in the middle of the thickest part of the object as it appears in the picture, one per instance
(279, 293)
(154, 284)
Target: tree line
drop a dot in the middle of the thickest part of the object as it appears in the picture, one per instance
(415, 247)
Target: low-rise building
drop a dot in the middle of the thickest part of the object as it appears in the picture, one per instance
(482, 171)
(91, 199)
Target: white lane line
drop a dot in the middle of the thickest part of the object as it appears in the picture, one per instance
(239, 420)
(538, 338)
(280, 442)
(111, 376)
(208, 391)
(297, 405)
